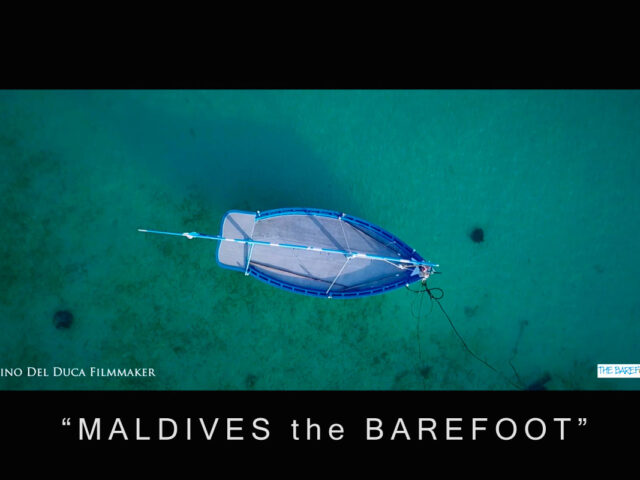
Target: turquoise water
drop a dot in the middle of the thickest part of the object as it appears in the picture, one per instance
(550, 176)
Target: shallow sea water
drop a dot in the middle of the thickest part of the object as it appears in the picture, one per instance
(550, 176)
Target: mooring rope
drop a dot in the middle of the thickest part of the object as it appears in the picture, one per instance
(437, 299)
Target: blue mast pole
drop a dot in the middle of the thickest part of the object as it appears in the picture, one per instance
(288, 245)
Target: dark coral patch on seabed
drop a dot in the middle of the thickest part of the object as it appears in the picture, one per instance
(63, 319)
(477, 235)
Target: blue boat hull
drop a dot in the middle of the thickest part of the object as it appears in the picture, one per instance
(316, 273)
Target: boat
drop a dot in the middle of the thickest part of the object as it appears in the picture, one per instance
(315, 252)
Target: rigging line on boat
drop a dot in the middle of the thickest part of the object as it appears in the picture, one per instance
(291, 272)
(343, 232)
(246, 270)
(386, 245)
(393, 264)
(344, 287)
(377, 240)
(464, 344)
(334, 280)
